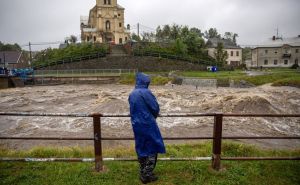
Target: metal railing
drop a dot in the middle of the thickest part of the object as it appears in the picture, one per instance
(174, 57)
(69, 59)
(216, 149)
(83, 72)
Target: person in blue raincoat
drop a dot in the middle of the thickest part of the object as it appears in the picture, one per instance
(144, 110)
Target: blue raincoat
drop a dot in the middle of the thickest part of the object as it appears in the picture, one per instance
(144, 110)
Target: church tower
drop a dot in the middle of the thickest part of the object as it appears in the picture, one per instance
(105, 23)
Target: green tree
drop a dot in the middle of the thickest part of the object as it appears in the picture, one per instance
(166, 31)
(148, 37)
(195, 44)
(221, 55)
(212, 33)
(135, 37)
(9, 47)
(159, 34)
(231, 36)
(197, 31)
(180, 47)
(175, 32)
(72, 39)
(246, 53)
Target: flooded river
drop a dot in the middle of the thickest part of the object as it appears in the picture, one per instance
(177, 99)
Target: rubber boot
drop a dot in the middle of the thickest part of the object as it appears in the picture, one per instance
(147, 165)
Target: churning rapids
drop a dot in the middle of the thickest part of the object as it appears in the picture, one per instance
(177, 99)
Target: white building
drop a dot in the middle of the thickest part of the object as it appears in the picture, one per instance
(234, 52)
(277, 52)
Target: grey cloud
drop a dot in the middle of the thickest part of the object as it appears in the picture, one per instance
(51, 20)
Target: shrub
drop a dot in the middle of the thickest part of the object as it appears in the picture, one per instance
(295, 66)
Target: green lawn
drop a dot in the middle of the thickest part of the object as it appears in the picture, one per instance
(278, 77)
(235, 172)
(220, 74)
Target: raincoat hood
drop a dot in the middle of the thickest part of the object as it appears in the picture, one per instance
(142, 80)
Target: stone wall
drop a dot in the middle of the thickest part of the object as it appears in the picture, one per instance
(131, 62)
(200, 82)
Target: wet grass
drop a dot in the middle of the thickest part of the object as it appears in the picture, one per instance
(235, 172)
(278, 77)
(129, 79)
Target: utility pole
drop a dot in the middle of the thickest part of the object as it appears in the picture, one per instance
(138, 29)
(30, 54)
(4, 61)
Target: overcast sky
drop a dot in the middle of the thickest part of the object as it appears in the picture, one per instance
(22, 21)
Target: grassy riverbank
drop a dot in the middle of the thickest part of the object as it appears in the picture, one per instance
(235, 172)
(278, 77)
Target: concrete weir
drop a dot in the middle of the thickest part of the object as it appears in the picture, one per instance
(200, 82)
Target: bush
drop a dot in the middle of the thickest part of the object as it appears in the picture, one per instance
(295, 66)
(72, 51)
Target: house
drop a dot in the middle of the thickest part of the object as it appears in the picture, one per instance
(105, 23)
(12, 59)
(277, 52)
(234, 52)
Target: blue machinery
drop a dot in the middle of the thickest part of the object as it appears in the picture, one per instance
(24, 74)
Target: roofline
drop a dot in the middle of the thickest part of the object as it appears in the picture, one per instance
(224, 48)
(275, 46)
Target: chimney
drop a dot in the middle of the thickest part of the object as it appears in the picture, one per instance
(273, 38)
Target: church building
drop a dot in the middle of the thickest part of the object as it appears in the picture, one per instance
(105, 23)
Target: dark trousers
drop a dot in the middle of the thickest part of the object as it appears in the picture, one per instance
(147, 165)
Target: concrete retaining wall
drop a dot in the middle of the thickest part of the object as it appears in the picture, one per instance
(75, 80)
(200, 82)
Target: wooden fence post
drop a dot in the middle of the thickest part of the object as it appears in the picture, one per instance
(217, 142)
(97, 143)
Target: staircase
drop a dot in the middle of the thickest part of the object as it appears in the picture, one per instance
(118, 51)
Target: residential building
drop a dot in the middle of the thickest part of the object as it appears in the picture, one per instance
(277, 52)
(105, 23)
(12, 59)
(234, 52)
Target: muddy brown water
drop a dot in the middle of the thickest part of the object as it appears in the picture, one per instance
(176, 99)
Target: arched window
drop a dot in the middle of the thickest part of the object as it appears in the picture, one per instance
(95, 39)
(109, 2)
(107, 25)
(104, 1)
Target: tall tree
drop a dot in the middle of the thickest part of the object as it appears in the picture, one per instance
(246, 53)
(166, 31)
(212, 33)
(73, 39)
(159, 34)
(197, 31)
(221, 55)
(135, 37)
(231, 36)
(195, 44)
(175, 31)
(180, 47)
(9, 47)
(235, 35)
(185, 31)
(148, 37)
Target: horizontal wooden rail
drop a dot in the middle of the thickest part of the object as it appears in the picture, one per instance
(217, 138)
